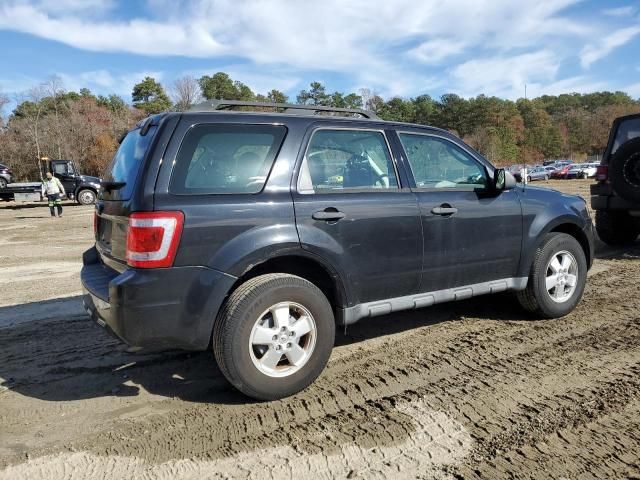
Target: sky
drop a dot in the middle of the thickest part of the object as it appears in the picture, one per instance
(393, 47)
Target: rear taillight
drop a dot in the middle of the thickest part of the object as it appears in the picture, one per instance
(153, 238)
(602, 173)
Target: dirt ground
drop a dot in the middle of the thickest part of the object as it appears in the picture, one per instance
(474, 389)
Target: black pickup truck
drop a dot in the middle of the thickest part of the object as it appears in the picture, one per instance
(82, 188)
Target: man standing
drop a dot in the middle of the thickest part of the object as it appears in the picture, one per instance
(54, 191)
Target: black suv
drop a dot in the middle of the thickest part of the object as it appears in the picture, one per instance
(255, 233)
(616, 196)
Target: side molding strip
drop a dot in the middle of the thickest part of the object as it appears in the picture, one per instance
(350, 315)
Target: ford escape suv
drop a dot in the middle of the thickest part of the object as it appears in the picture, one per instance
(256, 233)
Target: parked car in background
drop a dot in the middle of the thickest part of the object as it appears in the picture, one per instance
(590, 170)
(550, 168)
(516, 171)
(575, 171)
(561, 172)
(6, 176)
(537, 173)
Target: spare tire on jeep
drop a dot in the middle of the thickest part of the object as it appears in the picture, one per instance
(624, 170)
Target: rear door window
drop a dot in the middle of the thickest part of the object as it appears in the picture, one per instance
(126, 163)
(347, 160)
(223, 159)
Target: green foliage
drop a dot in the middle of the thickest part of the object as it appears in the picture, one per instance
(150, 97)
(114, 103)
(276, 96)
(570, 125)
(221, 87)
(316, 95)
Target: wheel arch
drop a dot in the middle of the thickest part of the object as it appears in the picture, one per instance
(578, 233)
(303, 265)
(563, 224)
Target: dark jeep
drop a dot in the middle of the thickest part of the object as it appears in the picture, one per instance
(255, 233)
(616, 196)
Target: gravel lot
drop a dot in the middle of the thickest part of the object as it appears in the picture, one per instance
(474, 389)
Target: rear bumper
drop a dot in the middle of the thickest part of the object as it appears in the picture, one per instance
(603, 198)
(163, 308)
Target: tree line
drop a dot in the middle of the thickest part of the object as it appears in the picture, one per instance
(49, 121)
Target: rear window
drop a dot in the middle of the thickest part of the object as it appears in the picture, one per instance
(627, 130)
(226, 159)
(126, 163)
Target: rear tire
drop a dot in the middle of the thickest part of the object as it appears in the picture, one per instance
(624, 170)
(248, 336)
(557, 277)
(617, 227)
(3, 182)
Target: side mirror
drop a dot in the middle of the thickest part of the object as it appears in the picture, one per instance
(503, 180)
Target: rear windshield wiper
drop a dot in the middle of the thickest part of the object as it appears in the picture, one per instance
(109, 186)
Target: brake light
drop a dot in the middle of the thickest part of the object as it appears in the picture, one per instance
(602, 173)
(153, 238)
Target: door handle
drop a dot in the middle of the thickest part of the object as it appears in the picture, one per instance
(444, 210)
(328, 215)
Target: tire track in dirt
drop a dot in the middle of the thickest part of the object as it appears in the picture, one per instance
(434, 442)
(514, 385)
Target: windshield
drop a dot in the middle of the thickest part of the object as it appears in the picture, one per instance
(126, 163)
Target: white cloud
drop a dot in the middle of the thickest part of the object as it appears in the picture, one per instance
(577, 84)
(505, 76)
(325, 35)
(402, 47)
(594, 52)
(620, 11)
(436, 50)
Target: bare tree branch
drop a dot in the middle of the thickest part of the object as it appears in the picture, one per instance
(185, 92)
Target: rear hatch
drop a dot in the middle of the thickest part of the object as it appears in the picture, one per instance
(115, 203)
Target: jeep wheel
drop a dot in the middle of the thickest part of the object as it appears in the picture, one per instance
(617, 227)
(86, 197)
(624, 170)
(557, 277)
(274, 336)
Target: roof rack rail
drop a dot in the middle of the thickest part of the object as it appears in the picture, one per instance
(212, 105)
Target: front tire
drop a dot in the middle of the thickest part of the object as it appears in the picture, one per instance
(274, 336)
(3, 182)
(86, 197)
(617, 227)
(557, 277)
